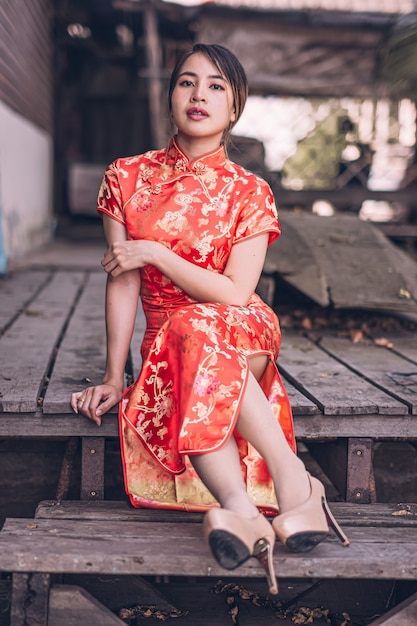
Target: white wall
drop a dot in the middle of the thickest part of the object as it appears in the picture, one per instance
(25, 185)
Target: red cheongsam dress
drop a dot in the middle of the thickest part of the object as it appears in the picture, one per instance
(187, 397)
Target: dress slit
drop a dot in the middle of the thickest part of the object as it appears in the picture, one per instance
(187, 398)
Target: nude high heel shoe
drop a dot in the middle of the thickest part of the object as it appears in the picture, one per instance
(306, 525)
(234, 539)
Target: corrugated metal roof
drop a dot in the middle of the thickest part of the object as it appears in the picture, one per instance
(357, 6)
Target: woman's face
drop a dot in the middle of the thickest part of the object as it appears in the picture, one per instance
(202, 102)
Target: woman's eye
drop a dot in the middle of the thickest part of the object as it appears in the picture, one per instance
(218, 87)
(186, 83)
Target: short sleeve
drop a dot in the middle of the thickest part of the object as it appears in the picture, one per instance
(258, 213)
(109, 199)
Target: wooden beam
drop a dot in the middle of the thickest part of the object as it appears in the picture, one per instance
(343, 198)
(154, 71)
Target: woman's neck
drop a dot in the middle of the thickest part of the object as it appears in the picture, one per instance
(195, 148)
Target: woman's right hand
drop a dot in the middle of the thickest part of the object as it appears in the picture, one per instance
(93, 402)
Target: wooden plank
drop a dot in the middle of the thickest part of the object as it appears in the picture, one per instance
(82, 354)
(111, 510)
(61, 546)
(300, 404)
(71, 425)
(28, 346)
(376, 515)
(134, 590)
(29, 599)
(311, 427)
(70, 605)
(92, 468)
(404, 614)
(382, 366)
(331, 385)
(387, 426)
(405, 345)
(17, 291)
(344, 262)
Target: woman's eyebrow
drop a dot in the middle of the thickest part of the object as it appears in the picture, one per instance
(188, 73)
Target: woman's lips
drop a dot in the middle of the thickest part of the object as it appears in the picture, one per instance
(197, 114)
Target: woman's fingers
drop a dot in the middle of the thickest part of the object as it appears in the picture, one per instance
(93, 402)
(77, 400)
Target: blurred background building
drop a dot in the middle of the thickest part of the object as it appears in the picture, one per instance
(331, 120)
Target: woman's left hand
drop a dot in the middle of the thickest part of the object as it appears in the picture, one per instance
(93, 402)
(123, 256)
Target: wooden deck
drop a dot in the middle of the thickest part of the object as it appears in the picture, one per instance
(345, 396)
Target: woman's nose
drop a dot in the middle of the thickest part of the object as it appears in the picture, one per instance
(198, 95)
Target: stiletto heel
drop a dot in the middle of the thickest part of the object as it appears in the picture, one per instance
(332, 522)
(234, 539)
(306, 525)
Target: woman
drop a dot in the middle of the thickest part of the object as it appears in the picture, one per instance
(208, 421)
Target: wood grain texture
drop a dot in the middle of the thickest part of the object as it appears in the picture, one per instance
(70, 605)
(330, 384)
(17, 291)
(150, 548)
(28, 346)
(386, 369)
(81, 358)
(375, 515)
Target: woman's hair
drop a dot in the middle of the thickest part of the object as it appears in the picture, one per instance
(228, 66)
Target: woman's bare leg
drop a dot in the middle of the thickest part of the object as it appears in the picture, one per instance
(220, 471)
(258, 425)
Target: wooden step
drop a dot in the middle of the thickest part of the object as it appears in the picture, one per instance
(70, 605)
(348, 514)
(404, 614)
(382, 539)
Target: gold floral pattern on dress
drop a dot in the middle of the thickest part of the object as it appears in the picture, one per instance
(195, 355)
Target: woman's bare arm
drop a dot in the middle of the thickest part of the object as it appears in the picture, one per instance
(122, 294)
(234, 286)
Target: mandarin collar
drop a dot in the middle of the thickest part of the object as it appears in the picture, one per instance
(181, 162)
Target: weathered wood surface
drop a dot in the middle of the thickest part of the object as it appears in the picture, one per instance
(58, 425)
(27, 347)
(381, 514)
(385, 368)
(344, 262)
(17, 292)
(335, 388)
(149, 548)
(30, 599)
(404, 614)
(70, 605)
(82, 353)
(54, 343)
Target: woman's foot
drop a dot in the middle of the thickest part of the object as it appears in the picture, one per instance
(234, 539)
(307, 524)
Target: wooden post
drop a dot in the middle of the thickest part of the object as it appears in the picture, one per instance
(154, 75)
(92, 468)
(30, 593)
